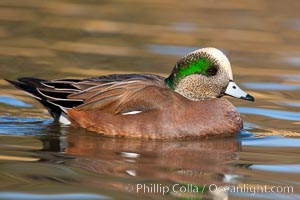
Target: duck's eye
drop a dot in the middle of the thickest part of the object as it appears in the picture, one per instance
(213, 70)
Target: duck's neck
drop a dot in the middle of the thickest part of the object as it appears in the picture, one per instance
(169, 82)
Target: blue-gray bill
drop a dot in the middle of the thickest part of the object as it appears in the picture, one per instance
(234, 90)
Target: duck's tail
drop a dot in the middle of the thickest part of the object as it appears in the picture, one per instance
(52, 98)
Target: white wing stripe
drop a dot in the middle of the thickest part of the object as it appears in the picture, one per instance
(132, 112)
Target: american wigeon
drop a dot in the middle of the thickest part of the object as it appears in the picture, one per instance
(184, 105)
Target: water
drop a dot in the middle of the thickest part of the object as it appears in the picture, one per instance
(57, 39)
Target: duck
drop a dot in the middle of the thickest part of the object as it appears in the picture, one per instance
(185, 104)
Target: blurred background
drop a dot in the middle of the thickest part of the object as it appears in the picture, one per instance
(75, 38)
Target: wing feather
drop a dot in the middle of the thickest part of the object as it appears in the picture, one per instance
(116, 93)
(118, 96)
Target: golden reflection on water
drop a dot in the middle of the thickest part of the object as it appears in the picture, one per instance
(12, 151)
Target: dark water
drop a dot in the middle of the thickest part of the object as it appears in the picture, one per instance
(63, 38)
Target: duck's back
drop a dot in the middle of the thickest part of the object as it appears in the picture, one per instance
(61, 95)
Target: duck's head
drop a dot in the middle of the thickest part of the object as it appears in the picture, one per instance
(204, 74)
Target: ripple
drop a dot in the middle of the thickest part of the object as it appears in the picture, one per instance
(249, 125)
(292, 60)
(267, 195)
(271, 86)
(277, 168)
(171, 49)
(27, 196)
(293, 23)
(23, 126)
(292, 104)
(13, 102)
(274, 141)
(290, 77)
(17, 120)
(184, 27)
(276, 114)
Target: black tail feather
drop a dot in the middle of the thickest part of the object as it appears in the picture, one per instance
(26, 87)
(34, 86)
(36, 82)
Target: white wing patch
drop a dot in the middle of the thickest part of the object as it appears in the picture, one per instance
(132, 112)
(64, 119)
(131, 172)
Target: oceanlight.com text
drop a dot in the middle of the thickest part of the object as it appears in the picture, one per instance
(156, 188)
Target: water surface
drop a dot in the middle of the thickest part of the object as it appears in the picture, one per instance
(54, 39)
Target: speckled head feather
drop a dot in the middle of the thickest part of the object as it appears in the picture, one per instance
(201, 74)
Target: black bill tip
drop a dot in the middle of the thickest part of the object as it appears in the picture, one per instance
(248, 98)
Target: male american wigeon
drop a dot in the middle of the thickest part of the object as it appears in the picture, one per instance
(186, 104)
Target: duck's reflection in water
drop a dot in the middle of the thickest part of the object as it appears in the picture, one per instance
(201, 161)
